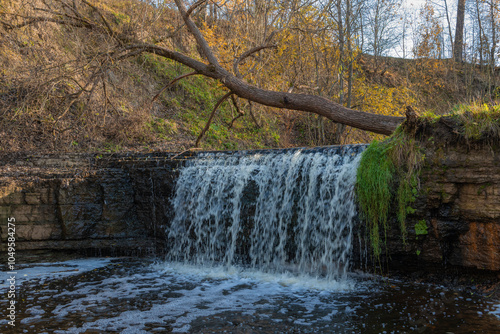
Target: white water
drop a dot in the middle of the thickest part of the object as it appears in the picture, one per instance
(136, 296)
(43, 271)
(276, 211)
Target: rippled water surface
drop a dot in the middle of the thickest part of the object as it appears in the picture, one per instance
(143, 296)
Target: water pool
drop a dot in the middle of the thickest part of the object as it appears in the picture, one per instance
(130, 295)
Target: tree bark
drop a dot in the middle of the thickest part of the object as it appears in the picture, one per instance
(481, 34)
(459, 32)
(493, 37)
(302, 102)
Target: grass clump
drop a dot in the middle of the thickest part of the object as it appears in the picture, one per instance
(388, 171)
(429, 117)
(478, 120)
(163, 128)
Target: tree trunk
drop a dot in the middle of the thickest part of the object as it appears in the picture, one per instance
(459, 32)
(493, 37)
(449, 25)
(481, 34)
(340, 28)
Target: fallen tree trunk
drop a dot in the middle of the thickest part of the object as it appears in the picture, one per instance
(302, 102)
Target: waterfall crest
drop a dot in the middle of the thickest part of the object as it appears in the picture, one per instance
(290, 210)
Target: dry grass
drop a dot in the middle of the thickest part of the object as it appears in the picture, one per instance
(479, 120)
(56, 95)
(59, 93)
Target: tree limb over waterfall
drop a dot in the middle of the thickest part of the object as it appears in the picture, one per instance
(123, 47)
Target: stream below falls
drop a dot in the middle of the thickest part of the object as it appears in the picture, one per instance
(130, 295)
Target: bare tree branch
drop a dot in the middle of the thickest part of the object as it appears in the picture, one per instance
(207, 126)
(75, 98)
(194, 6)
(240, 112)
(247, 54)
(171, 83)
(31, 20)
(250, 110)
(170, 35)
(108, 27)
(309, 103)
(185, 151)
(197, 34)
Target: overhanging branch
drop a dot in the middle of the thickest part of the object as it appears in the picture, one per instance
(194, 6)
(172, 82)
(212, 114)
(247, 54)
(302, 102)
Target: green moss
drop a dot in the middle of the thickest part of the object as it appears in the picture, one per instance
(388, 172)
(374, 179)
(421, 228)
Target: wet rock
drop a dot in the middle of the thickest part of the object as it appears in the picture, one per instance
(460, 204)
(85, 202)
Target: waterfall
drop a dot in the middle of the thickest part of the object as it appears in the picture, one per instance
(288, 210)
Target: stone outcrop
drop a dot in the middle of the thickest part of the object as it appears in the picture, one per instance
(112, 203)
(457, 222)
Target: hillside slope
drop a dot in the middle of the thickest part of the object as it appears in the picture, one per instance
(55, 97)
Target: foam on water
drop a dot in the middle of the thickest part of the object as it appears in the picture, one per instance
(275, 212)
(288, 279)
(496, 311)
(44, 271)
(135, 297)
(199, 292)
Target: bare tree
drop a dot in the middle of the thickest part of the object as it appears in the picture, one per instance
(493, 27)
(382, 25)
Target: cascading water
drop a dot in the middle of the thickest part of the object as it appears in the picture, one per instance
(287, 214)
(281, 211)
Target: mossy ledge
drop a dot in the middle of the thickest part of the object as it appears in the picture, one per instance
(388, 178)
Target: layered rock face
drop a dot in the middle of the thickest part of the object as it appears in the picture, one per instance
(457, 222)
(110, 203)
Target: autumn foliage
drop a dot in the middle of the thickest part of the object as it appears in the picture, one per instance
(62, 87)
